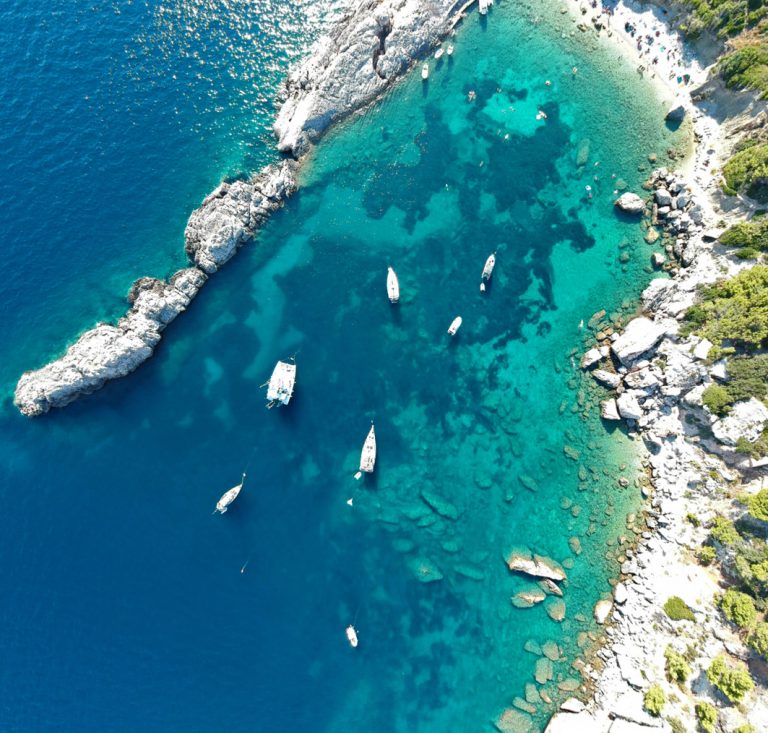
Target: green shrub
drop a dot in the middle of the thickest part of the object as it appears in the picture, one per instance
(677, 609)
(717, 399)
(752, 234)
(724, 531)
(692, 519)
(747, 253)
(706, 714)
(733, 682)
(654, 700)
(676, 725)
(724, 17)
(676, 667)
(706, 555)
(746, 728)
(738, 608)
(747, 171)
(758, 640)
(734, 310)
(748, 377)
(758, 505)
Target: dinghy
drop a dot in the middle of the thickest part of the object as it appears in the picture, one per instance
(368, 454)
(281, 384)
(352, 636)
(393, 286)
(450, 49)
(228, 497)
(425, 71)
(455, 326)
(490, 263)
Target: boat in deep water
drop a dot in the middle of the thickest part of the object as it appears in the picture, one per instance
(281, 384)
(368, 454)
(393, 286)
(351, 636)
(455, 326)
(228, 497)
(490, 263)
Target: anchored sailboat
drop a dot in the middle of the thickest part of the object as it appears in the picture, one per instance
(490, 263)
(281, 384)
(228, 497)
(351, 636)
(368, 454)
(393, 286)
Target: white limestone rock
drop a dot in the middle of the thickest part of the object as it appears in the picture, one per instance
(629, 407)
(602, 611)
(572, 705)
(608, 379)
(702, 349)
(747, 419)
(566, 722)
(109, 351)
(590, 358)
(640, 336)
(663, 197)
(609, 410)
(620, 594)
(231, 215)
(630, 203)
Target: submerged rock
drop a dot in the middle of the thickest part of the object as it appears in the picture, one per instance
(536, 566)
(443, 507)
(514, 721)
(544, 671)
(109, 351)
(555, 608)
(528, 598)
(424, 570)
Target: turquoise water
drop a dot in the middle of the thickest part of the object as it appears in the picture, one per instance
(129, 605)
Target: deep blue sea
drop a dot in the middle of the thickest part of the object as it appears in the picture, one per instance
(126, 605)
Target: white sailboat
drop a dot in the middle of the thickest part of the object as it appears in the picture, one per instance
(393, 286)
(490, 263)
(368, 454)
(455, 326)
(281, 384)
(228, 497)
(351, 636)
(425, 71)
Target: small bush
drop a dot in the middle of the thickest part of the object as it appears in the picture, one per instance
(706, 555)
(654, 700)
(676, 725)
(746, 728)
(738, 608)
(706, 714)
(746, 234)
(717, 400)
(747, 253)
(677, 609)
(734, 682)
(758, 640)
(758, 505)
(747, 171)
(693, 520)
(724, 531)
(676, 667)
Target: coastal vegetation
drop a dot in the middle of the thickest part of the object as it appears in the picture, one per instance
(706, 714)
(724, 18)
(677, 609)
(677, 668)
(734, 681)
(654, 700)
(738, 608)
(747, 171)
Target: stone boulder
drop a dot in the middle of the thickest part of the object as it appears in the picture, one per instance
(630, 203)
(608, 379)
(603, 611)
(639, 337)
(590, 358)
(747, 419)
(663, 197)
(609, 410)
(676, 113)
(536, 566)
(567, 722)
(628, 406)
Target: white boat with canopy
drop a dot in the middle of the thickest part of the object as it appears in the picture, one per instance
(228, 497)
(455, 326)
(351, 636)
(425, 71)
(368, 454)
(490, 263)
(393, 286)
(281, 384)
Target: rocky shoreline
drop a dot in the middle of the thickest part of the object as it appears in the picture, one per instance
(374, 45)
(656, 377)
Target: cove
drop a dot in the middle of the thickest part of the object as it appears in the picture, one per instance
(126, 603)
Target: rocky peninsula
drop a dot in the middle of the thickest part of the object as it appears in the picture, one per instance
(370, 48)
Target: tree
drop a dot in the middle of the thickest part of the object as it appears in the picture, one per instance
(738, 608)
(654, 699)
(758, 640)
(758, 505)
(706, 714)
(717, 399)
(677, 668)
(733, 682)
(677, 610)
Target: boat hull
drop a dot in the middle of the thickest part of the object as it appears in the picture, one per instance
(281, 384)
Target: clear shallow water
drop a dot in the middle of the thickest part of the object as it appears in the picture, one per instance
(125, 604)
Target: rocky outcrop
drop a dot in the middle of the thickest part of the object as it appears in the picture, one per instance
(746, 420)
(536, 566)
(356, 63)
(639, 337)
(630, 203)
(231, 215)
(109, 351)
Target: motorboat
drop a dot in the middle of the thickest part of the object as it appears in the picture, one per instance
(490, 263)
(351, 636)
(455, 326)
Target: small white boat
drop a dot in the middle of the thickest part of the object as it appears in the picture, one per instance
(484, 5)
(228, 497)
(281, 384)
(490, 263)
(425, 71)
(351, 636)
(449, 50)
(368, 454)
(439, 53)
(455, 326)
(393, 286)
